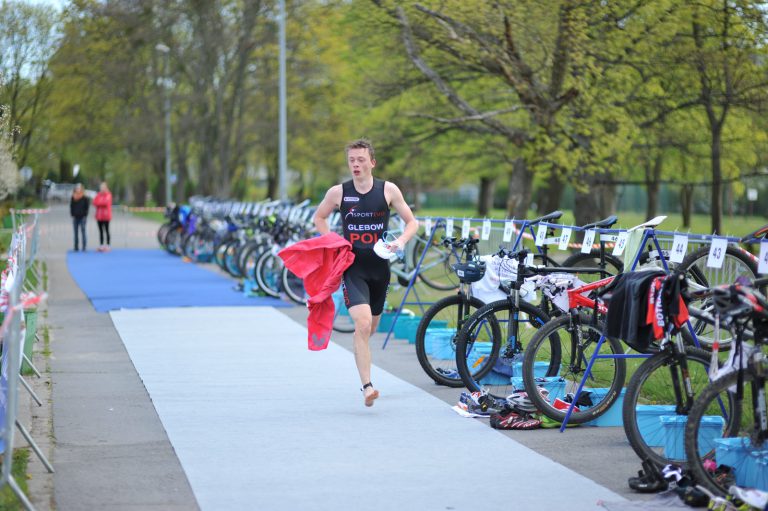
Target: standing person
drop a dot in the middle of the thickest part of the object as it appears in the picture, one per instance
(364, 203)
(103, 203)
(78, 208)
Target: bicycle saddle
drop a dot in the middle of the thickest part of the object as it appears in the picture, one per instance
(605, 223)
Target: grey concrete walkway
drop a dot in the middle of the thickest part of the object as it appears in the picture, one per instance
(112, 451)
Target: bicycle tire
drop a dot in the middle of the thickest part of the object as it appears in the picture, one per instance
(736, 263)
(651, 395)
(162, 232)
(607, 375)
(493, 366)
(437, 265)
(267, 273)
(439, 362)
(698, 450)
(173, 241)
(230, 259)
(614, 265)
(293, 286)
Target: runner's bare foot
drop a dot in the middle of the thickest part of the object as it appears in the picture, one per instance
(370, 394)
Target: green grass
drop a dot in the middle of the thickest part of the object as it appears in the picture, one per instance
(8, 499)
(150, 215)
(700, 224)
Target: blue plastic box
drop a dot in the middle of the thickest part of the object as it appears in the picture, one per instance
(539, 369)
(674, 426)
(338, 302)
(405, 328)
(385, 322)
(613, 416)
(554, 384)
(649, 422)
(438, 343)
(750, 466)
(481, 349)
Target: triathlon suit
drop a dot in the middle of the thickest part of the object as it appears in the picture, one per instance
(365, 218)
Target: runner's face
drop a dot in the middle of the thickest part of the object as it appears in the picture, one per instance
(360, 163)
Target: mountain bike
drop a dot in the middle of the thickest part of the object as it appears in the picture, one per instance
(720, 452)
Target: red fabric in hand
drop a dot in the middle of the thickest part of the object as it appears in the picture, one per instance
(321, 262)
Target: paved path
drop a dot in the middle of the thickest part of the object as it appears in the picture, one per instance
(112, 450)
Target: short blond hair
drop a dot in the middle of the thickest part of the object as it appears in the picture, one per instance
(360, 143)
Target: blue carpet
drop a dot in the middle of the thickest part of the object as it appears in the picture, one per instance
(141, 279)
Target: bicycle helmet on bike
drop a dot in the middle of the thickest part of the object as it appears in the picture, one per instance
(471, 271)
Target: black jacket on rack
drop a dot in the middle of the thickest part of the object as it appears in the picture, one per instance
(628, 307)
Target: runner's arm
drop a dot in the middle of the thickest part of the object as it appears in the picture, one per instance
(327, 206)
(398, 202)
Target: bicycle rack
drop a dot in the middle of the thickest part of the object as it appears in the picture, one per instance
(441, 222)
(649, 234)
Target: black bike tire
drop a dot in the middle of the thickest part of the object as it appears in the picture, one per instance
(660, 361)
(614, 265)
(529, 360)
(698, 410)
(289, 291)
(260, 277)
(421, 334)
(471, 381)
(689, 266)
(418, 249)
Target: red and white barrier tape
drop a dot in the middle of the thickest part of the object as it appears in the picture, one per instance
(142, 209)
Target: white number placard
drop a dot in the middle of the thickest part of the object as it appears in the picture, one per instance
(717, 252)
(529, 259)
(509, 228)
(589, 239)
(486, 234)
(679, 248)
(427, 226)
(762, 265)
(449, 228)
(565, 237)
(621, 243)
(541, 235)
(465, 228)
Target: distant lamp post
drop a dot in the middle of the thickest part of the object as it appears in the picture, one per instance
(167, 108)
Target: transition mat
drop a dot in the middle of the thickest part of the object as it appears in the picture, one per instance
(260, 422)
(139, 279)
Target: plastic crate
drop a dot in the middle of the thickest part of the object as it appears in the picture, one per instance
(674, 434)
(438, 343)
(385, 322)
(750, 466)
(405, 328)
(539, 369)
(554, 384)
(483, 349)
(649, 422)
(612, 416)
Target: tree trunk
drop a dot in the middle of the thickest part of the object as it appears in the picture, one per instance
(686, 204)
(485, 202)
(652, 176)
(597, 202)
(717, 181)
(549, 198)
(520, 187)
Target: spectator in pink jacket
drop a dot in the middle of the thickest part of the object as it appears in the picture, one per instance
(103, 203)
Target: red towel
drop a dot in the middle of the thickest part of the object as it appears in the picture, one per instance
(321, 262)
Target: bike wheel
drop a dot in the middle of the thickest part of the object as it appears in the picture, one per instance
(437, 334)
(173, 241)
(293, 287)
(230, 259)
(651, 407)
(487, 361)
(267, 272)
(436, 269)
(736, 263)
(557, 357)
(613, 265)
(711, 443)
(162, 232)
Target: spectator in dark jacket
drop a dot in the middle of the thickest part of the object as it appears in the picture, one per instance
(78, 208)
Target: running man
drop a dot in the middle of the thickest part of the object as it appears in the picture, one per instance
(364, 203)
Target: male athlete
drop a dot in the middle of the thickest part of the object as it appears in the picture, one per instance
(364, 203)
